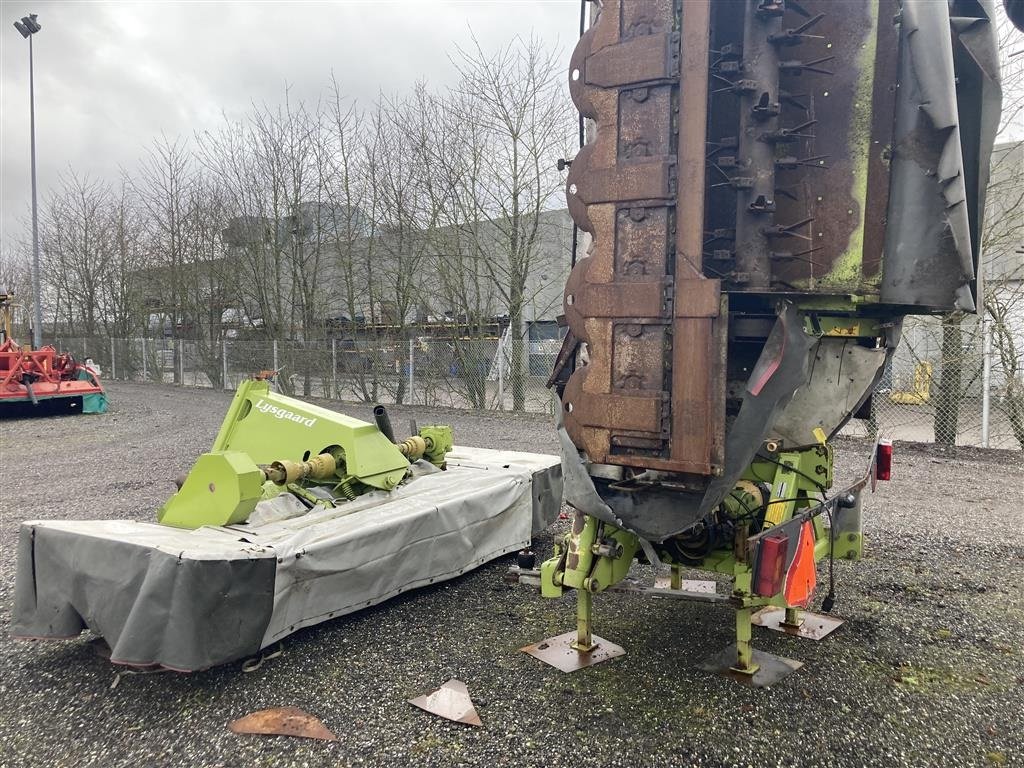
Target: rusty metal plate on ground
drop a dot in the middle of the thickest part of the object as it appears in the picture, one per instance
(813, 626)
(771, 668)
(451, 701)
(559, 653)
(282, 721)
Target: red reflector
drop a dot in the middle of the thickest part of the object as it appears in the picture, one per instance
(771, 565)
(883, 460)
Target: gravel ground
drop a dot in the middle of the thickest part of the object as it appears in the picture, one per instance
(928, 670)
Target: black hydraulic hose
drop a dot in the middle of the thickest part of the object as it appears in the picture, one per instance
(380, 415)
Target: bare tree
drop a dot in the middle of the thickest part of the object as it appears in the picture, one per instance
(77, 251)
(273, 167)
(163, 187)
(1004, 292)
(1003, 239)
(517, 99)
(121, 294)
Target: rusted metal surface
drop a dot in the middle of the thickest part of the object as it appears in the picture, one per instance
(451, 701)
(753, 163)
(559, 653)
(651, 393)
(883, 109)
(770, 668)
(283, 721)
(812, 626)
(802, 118)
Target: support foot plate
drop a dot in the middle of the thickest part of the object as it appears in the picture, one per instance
(771, 668)
(559, 653)
(664, 581)
(815, 626)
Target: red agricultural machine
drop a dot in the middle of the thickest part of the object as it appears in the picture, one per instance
(32, 379)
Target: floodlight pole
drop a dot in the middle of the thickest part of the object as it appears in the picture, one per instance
(27, 27)
(37, 325)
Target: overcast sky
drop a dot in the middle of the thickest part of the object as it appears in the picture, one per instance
(111, 76)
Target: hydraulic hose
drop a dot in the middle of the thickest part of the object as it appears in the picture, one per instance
(380, 416)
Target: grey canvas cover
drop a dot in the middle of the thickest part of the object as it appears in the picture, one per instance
(192, 599)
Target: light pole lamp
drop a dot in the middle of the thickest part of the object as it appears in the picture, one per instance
(28, 26)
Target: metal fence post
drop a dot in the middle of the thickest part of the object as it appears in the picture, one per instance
(412, 360)
(501, 375)
(145, 365)
(181, 362)
(224, 363)
(113, 365)
(275, 355)
(334, 368)
(986, 379)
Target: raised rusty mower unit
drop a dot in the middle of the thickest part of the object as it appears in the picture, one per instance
(43, 380)
(769, 188)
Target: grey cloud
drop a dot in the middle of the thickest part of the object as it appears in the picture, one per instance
(112, 76)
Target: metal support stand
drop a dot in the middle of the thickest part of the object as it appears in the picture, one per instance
(744, 649)
(792, 621)
(746, 665)
(676, 579)
(769, 668)
(575, 650)
(740, 661)
(584, 621)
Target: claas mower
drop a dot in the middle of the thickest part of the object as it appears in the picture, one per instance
(769, 187)
(298, 514)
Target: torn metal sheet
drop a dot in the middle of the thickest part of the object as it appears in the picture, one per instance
(947, 113)
(451, 701)
(283, 721)
(840, 374)
(192, 599)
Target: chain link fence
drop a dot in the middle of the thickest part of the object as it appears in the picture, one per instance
(933, 389)
(453, 373)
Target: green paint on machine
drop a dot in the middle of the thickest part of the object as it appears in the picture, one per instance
(270, 444)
